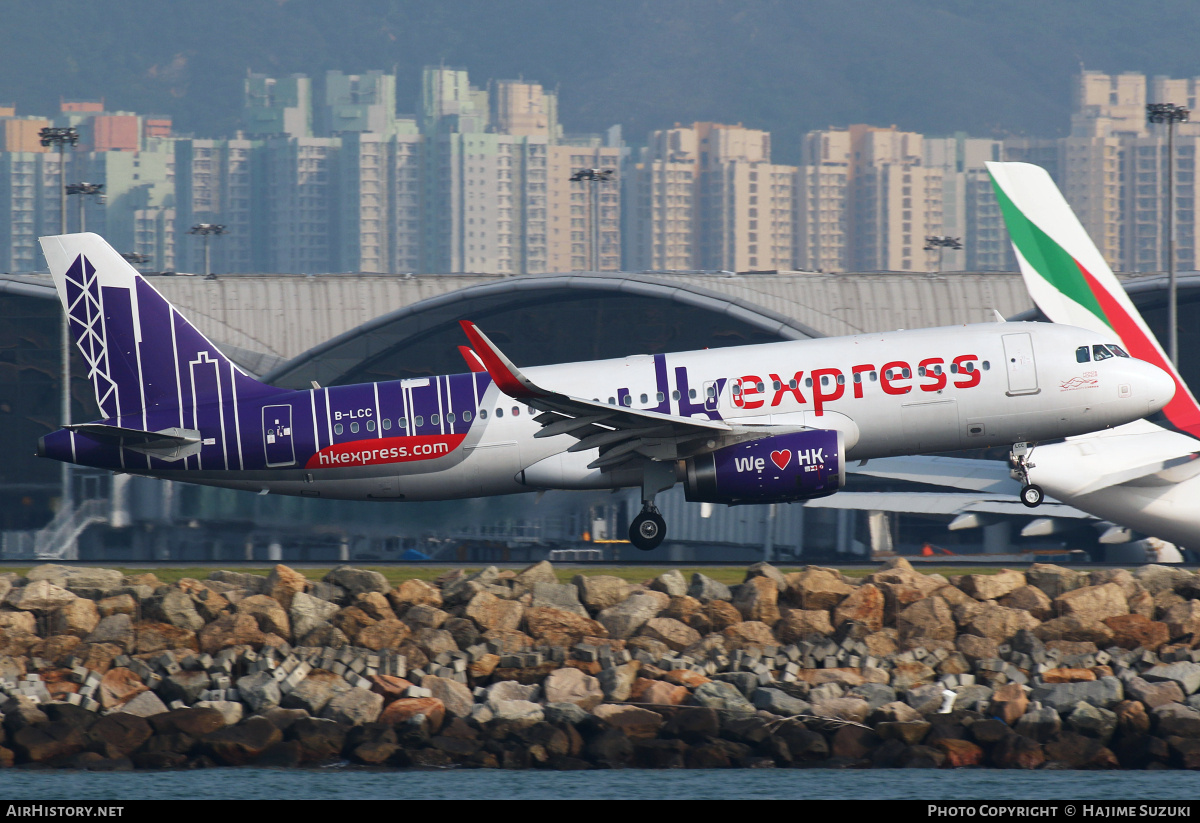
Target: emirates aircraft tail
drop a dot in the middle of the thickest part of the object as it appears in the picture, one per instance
(1068, 279)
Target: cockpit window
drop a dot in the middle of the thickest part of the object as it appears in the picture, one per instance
(1117, 350)
(1083, 355)
(1101, 352)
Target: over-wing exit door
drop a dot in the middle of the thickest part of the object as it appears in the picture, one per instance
(277, 435)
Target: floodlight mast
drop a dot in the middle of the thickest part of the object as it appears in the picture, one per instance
(939, 242)
(1170, 114)
(595, 177)
(60, 137)
(84, 190)
(207, 230)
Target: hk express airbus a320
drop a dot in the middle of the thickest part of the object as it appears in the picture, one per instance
(753, 424)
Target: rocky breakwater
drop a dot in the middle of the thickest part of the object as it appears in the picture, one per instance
(1046, 668)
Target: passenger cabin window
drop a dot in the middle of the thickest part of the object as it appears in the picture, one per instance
(354, 428)
(387, 424)
(516, 411)
(402, 423)
(1083, 355)
(466, 417)
(370, 425)
(434, 419)
(499, 412)
(1101, 352)
(645, 399)
(418, 421)
(483, 414)
(337, 428)
(449, 417)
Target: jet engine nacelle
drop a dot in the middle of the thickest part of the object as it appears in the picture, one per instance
(795, 466)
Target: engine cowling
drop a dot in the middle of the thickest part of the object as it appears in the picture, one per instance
(785, 467)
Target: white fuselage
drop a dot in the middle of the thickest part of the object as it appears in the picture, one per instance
(902, 392)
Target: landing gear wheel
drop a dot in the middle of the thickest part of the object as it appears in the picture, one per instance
(1031, 495)
(648, 530)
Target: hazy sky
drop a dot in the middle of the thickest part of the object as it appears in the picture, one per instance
(787, 65)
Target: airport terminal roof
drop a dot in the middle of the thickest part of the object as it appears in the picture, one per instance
(264, 320)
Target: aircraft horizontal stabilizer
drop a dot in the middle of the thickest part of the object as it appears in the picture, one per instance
(167, 444)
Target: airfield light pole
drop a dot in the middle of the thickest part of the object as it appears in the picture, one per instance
(1170, 114)
(55, 136)
(940, 242)
(595, 177)
(84, 190)
(206, 230)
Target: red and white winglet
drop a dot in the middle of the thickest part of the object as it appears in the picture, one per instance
(507, 377)
(473, 361)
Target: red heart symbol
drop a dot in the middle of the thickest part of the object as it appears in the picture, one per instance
(781, 458)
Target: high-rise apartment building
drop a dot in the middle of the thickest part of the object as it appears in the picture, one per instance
(708, 197)
(583, 214)
(275, 106)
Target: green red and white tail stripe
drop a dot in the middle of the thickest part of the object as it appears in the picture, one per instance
(1068, 278)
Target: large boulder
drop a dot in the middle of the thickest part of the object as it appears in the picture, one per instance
(456, 697)
(38, 596)
(562, 596)
(706, 590)
(356, 581)
(1183, 619)
(1134, 631)
(389, 633)
(1092, 603)
(116, 628)
(176, 608)
(570, 685)
(414, 593)
(260, 691)
(757, 599)
(623, 620)
(1054, 580)
(676, 635)
(1075, 629)
(491, 613)
(928, 619)
(748, 635)
(552, 626)
(354, 707)
(999, 622)
(242, 744)
(601, 591)
(1030, 599)
(77, 617)
(800, 623)
(307, 612)
(864, 605)
(992, 586)
(230, 630)
(268, 613)
(284, 583)
(1104, 693)
(817, 588)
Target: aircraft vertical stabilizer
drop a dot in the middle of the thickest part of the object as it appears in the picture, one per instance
(142, 355)
(1068, 278)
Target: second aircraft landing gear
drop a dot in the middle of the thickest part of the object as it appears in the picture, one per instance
(648, 528)
(1031, 493)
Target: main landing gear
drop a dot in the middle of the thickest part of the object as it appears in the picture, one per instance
(1031, 493)
(648, 529)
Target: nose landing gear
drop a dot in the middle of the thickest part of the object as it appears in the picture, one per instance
(1019, 457)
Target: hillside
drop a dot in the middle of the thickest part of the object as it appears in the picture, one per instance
(932, 65)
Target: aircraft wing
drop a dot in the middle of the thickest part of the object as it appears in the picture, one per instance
(957, 472)
(620, 432)
(934, 503)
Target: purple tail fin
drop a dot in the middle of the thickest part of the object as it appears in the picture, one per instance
(143, 357)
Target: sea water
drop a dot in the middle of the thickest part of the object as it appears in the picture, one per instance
(631, 784)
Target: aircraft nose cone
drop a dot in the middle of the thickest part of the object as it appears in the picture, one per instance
(1159, 386)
